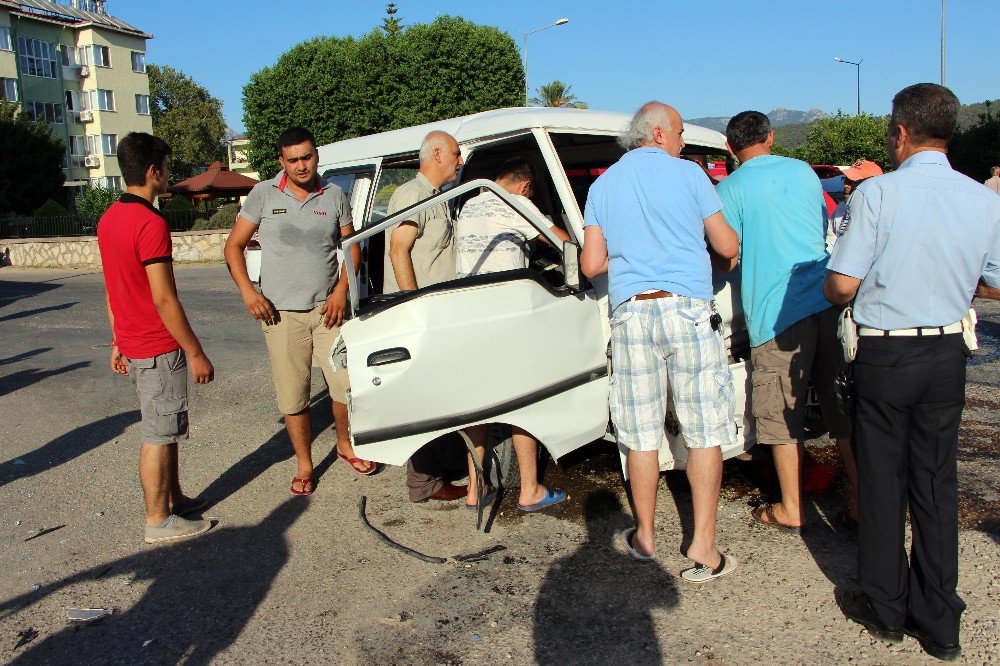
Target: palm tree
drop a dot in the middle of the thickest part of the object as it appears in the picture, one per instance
(557, 94)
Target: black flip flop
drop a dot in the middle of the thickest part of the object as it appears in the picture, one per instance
(768, 510)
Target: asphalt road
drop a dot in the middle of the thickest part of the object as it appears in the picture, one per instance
(300, 580)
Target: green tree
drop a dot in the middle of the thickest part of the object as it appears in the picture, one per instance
(31, 166)
(93, 202)
(390, 24)
(843, 139)
(187, 117)
(346, 87)
(976, 148)
(557, 94)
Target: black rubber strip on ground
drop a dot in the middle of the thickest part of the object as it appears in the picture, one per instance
(400, 547)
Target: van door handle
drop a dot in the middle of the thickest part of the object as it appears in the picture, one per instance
(387, 356)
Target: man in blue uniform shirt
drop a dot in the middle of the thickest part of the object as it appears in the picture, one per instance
(917, 243)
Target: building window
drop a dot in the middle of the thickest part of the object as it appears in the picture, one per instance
(101, 99)
(5, 39)
(99, 56)
(142, 105)
(38, 58)
(109, 144)
(50, 112)
(110, 182)
(77, 150)
(8, 90)
(138, 62)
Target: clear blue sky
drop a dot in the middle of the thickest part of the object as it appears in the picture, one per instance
(711, 58)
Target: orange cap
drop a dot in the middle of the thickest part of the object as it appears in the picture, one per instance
(862, 169)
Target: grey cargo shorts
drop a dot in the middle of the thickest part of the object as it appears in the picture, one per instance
(161, 384)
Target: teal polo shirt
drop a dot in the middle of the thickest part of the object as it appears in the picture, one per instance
(775, 204)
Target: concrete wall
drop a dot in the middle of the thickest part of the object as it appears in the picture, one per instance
(82, 252)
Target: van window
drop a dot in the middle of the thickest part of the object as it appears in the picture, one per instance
(585, 157)
(390, 178)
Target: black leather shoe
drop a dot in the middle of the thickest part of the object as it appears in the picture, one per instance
(942, 651)
(857, 607)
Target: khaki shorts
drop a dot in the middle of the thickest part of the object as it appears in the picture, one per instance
(161, 384)
(782, 369)
(296, 342)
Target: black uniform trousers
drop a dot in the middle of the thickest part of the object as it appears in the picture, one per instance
(910, 392)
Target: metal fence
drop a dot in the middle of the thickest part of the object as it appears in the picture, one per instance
(50, 226)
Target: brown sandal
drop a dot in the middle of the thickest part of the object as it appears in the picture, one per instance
(768, 510)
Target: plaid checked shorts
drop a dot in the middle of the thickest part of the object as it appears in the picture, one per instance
(665, 355)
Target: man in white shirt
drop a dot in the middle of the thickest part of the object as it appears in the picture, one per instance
(490, 236)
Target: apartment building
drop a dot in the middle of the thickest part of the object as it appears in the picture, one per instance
(81, 70)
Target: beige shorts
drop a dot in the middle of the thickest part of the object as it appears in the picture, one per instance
(296, 342)
(808, 350)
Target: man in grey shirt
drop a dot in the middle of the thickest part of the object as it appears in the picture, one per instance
(421, 252)
(299, 219)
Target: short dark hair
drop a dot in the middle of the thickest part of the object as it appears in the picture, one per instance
(929, 113)
(516, 169)
(293, 136)
(747, 128)
(137, 152)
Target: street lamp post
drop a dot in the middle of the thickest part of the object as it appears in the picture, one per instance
(524, 52)
(858, 66)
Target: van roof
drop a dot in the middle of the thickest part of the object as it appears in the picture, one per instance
(478, 126)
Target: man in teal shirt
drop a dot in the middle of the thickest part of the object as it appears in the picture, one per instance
(776, 206)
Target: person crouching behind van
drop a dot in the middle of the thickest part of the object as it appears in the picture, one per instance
(492, 237)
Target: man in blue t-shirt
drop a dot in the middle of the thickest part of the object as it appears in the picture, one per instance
(645, 225)
(776, 206)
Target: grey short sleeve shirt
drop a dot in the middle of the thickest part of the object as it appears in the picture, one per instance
(433, 253)
(298, 241)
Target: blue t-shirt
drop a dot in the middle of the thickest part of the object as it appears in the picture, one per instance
(776, 206)
(651, 208)
(919, 239)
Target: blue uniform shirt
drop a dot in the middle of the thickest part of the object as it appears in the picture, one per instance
(776, 206)
(651, 208)
(919, 239)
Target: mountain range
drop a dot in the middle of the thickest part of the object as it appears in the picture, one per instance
(778, 117)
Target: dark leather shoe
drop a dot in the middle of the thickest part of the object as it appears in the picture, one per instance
(942, 651)
(857, 607)
(449, 492)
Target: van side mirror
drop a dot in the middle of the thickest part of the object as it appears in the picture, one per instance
(571, 265)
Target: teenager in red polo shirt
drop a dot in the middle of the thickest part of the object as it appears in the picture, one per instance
(153, 342)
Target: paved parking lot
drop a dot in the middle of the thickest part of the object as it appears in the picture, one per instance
(300, 580)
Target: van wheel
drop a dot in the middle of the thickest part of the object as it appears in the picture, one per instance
(500, 465)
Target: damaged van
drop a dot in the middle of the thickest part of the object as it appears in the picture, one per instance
(527, 347)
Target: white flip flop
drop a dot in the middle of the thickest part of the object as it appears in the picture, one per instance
(626, 536)
(701, 573)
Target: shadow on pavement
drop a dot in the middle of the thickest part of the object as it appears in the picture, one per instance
(25, 378)
(201, 595)
(595, 606)
(17, 358)
(37, 311)
(12, 291)
(824, 495)
(66, 447)
(275, 450)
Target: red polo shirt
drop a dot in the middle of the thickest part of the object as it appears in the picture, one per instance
(131, 235)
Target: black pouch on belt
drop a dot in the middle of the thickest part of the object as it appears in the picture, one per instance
(844, 387)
